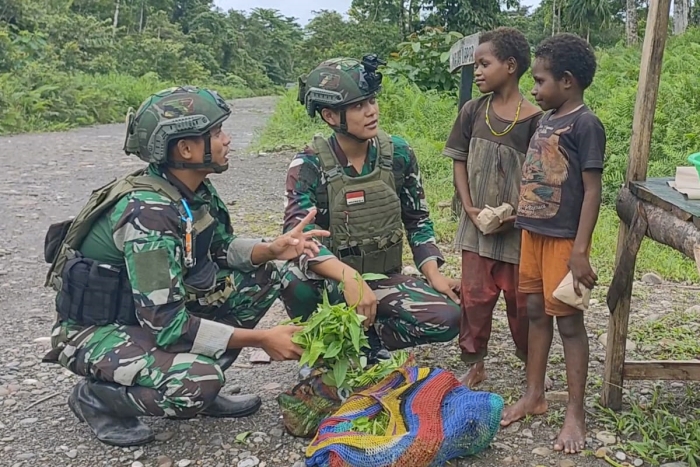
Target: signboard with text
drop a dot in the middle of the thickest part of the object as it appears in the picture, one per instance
(462, 51)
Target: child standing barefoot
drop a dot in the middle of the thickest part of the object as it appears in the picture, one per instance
(559, 203)
(488, 143)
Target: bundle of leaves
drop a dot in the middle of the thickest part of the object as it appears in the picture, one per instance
(333, 341)
(367, 376)
(376, 425)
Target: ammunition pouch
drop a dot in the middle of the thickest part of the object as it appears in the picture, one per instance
(373, 257)
(54, 238)
(95, 294)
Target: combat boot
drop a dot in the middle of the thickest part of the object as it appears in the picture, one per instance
(109, 414)
(238, 406)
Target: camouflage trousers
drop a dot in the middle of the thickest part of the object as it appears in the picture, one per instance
(162, 383)
(409, 311)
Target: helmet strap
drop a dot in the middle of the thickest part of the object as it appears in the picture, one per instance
(343, 128)
(206, 164)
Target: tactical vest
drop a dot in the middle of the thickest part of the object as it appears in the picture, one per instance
(364, 212)
(93, 293)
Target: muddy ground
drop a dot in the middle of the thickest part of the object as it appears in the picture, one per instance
(45, 178)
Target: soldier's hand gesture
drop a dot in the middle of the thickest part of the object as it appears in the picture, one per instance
(296, 242)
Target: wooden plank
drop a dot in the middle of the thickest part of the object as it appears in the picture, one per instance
(462, 51)
(648, 90)
(657, 192)
(663, 227)
(624, 274)
(637, 164)
(688, 370)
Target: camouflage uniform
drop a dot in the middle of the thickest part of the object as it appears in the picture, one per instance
(409, 311)
(169, 376)
(167, 357)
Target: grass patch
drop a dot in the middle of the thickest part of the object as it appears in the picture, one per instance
(655, 431)
(424, 119)
(673, 336)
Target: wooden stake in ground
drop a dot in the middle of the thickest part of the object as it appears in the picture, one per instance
(642, 126)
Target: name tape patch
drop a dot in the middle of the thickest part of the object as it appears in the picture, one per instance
(355, 197)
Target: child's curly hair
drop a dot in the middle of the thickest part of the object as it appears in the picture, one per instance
(568, 52)
(507, 43)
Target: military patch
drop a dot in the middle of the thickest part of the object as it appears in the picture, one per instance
(355, 197)
(178, 107)
(329, 81)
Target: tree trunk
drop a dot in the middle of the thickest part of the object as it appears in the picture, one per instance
(141, 17)
(631, 23)
(664, 227)
(116, 20)
(554, 16)
(681, 13)
(409, 26)
(588, 34)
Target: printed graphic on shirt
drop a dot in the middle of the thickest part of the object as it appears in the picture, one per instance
(545, 170)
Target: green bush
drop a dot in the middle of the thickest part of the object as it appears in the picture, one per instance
(44, 99)
(425, 118)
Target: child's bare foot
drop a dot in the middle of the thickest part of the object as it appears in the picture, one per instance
(572, 437)
(475, 375)
(527, 405)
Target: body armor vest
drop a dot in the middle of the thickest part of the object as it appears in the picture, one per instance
(93, 293)
(364, 212)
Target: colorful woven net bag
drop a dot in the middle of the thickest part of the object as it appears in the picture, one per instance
(432, 419)
(308, 403)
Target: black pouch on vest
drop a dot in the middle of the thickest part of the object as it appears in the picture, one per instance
(93, 294)
(54, 237)
(202, 278)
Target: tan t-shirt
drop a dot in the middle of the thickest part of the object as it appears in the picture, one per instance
(494, 167)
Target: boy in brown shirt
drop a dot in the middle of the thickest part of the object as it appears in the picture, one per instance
(559, 203)
(488, 143)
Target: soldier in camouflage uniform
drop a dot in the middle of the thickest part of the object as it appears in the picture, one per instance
(156, 294)
(367, 188)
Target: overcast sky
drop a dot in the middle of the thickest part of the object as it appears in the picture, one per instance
(300, 9)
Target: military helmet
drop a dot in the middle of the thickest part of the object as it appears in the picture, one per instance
(171, 114)
(339, 82)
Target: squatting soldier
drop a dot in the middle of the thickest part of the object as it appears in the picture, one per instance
(367, 188)
(156, 294)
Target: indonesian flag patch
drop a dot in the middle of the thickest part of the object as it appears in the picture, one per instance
(354, 197)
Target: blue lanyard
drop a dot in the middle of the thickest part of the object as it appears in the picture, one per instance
(189, 260)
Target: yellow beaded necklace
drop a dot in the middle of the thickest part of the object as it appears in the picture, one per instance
(509, 127)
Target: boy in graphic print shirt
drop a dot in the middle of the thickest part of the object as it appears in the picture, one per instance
(560, 197)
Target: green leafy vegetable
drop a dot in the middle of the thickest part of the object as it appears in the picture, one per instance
(375, 426)
(333, 340)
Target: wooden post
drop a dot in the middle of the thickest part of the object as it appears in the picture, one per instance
(642, 126)
(465, 85)
(462, 57)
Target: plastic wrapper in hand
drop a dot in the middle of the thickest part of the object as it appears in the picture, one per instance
(308, 403)
(432, 419)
